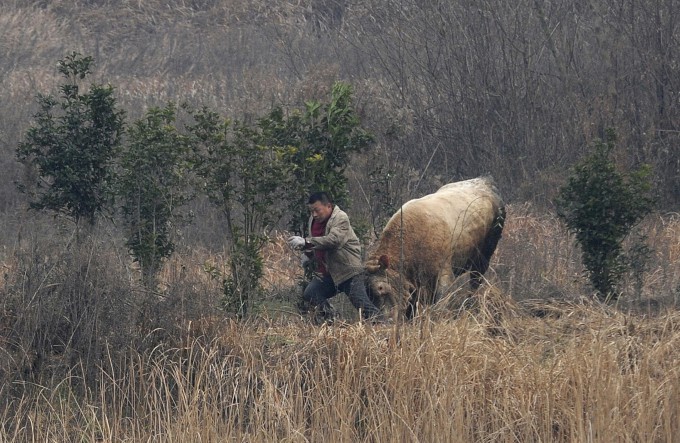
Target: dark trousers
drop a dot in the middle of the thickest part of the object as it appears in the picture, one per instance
(319, 290)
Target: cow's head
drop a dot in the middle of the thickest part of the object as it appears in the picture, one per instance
(386, 287)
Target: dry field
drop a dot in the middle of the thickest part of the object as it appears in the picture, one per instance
(583, 373)
(553, 367)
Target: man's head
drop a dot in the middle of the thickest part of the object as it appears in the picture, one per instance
(320, 206)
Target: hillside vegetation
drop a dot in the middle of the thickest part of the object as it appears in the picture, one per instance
(449, 90)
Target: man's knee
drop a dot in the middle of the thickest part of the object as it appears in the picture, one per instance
(318, 291)
(308, 293)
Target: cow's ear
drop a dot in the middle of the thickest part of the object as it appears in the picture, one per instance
(384, 262)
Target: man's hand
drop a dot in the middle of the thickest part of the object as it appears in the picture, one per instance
(296, 242)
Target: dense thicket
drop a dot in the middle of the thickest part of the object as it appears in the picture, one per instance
(450, 89)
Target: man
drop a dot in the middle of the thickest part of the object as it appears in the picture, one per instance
(337, 253)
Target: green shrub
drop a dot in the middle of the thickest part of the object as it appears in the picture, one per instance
(245, 175)
(153, 185)
(323, 137)
(600, 205)
(72, 145)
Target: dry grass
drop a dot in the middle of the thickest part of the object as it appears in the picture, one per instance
(587, 374)
(541, 368)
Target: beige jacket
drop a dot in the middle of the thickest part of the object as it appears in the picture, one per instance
(342, 246)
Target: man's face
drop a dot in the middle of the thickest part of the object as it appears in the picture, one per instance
(320, 211)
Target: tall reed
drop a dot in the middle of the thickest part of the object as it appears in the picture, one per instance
(588, 374)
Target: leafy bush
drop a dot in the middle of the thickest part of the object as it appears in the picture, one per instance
(244, 174)
(153, 185)
(72, 145)
(323, 137)
(600, 205)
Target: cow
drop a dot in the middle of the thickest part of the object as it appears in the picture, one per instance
(433, 239)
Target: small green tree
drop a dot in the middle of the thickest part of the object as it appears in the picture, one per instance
(72, 145)
(600, 205)
(153, 184)
(244, 174)
(323, 137)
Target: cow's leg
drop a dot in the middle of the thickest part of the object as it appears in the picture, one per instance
(478, 266)
(477, 273)
(445, 281)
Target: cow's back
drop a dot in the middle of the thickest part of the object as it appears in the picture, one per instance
(442, 228)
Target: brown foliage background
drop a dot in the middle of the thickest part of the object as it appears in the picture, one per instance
(450, 89)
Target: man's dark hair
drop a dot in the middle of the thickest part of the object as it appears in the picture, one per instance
(322, 197)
